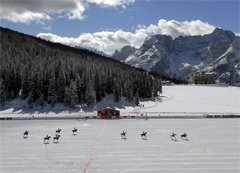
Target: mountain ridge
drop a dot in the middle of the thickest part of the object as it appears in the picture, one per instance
(185, 56)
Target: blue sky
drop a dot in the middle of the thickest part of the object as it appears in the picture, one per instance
(107, 25)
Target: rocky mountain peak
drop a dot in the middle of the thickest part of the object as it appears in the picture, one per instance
(184, 55)
(123, 53)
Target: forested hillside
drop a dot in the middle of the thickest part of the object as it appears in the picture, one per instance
(45, 72)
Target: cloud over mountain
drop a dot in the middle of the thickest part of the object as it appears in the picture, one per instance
(109, 41)
(175, 28)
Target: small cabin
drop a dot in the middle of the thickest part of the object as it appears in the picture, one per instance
(108, 112)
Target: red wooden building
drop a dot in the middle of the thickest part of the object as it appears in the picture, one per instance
(108, 113)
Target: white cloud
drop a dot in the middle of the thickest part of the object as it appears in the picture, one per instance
(109, 41)
(175, 28)
(47, 28)
(41, 10)
(112, 3)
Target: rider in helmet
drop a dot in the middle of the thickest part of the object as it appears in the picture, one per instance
(173, 134)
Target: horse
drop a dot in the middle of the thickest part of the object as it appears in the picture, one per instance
(123, 134)
(25, 134)
(56, 137)
(173, 136)
(74, 130)
(58, 130)
(144, 134)
(184, 136)
(47, 138)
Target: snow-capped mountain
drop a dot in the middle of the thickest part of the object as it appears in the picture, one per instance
(216, 53)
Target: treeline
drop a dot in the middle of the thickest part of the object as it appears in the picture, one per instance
(41, 71)
(166, 78)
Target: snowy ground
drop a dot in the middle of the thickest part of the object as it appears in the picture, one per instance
(175, 100)
(212, 146)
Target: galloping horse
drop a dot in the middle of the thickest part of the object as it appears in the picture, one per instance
(144, 134)
(47, 138)
(58, 130)
(56, 137)
(184, 136)
(74, 130)
(173, 135)
(123, 134)
(25, 134)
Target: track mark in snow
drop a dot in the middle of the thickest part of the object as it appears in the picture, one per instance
(191, 146)
(95, 146)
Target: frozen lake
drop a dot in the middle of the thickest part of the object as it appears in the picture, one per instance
(213, 145)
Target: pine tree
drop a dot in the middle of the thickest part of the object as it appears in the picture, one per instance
(41, 100)
(97, 86)
(137, 100)
(25, 83)
(155, 88)
(116, 93)
(39, 83)
(90, 95)
(66, 97)
(46, 81)
(2, 93)
(12, 96)
(73, 97)
(33, 85)
(52, 97)
(160, 86)
(148, 89)
(79, 87)
(61, 83)
(30, 99)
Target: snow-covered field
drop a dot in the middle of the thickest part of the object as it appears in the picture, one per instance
(213, 145)
(177, 100)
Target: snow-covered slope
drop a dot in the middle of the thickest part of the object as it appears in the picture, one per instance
(184, 56)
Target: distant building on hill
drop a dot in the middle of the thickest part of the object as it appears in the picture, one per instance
(203, 79)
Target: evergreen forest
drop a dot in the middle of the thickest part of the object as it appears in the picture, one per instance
(47, 73)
